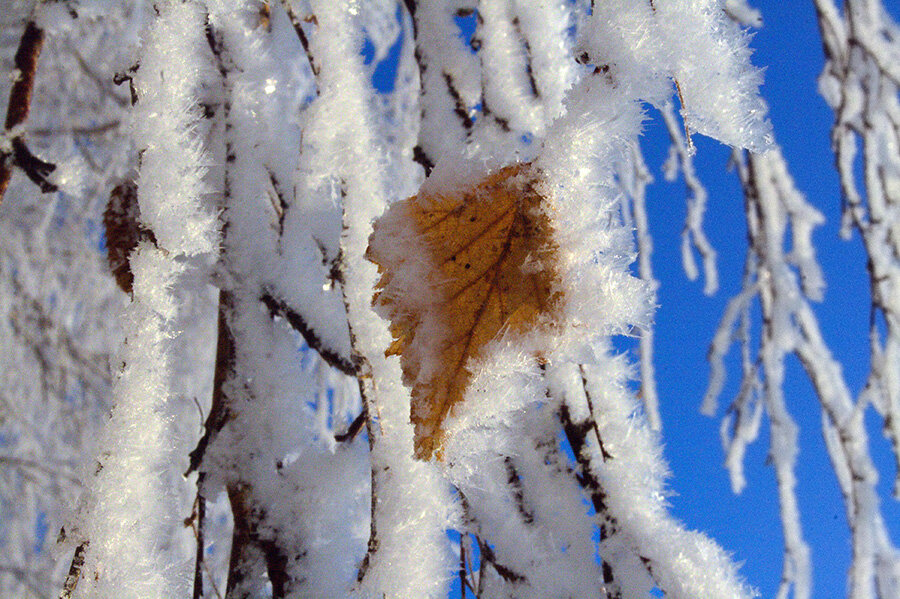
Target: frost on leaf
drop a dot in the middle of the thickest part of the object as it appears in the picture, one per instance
(459, 268)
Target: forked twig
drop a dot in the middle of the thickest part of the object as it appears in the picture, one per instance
(13, 150)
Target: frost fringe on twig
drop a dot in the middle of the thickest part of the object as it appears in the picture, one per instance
(128, 527)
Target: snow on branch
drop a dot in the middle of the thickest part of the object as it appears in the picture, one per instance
(861, 82)
(127, 530)
(634, 178)
(681, 157)
(784, 283)
(271, 168)
(410, 507)
(693, 45)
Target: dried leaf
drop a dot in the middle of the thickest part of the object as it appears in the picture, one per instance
(123, 231)
(458, 269)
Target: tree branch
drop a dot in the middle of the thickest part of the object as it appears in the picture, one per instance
(301, 35)
(74, 572)
(279, 308)
(219, 412)
(17, 153)
(353, 429)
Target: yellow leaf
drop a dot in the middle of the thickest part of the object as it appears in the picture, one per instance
(459, 267)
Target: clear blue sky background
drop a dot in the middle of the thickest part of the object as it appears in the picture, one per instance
(748, 525)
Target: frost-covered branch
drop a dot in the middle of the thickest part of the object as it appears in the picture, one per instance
(861, 82)
(784, 282)
(681, 157)
(634, 181)
(264, 156)
(344, 125)
(766, 226)
(248, 438)
(134, 502)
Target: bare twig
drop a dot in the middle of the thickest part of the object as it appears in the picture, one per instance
(506, 573)
(515, 484)
(279, 308)
(301, 35)
(459, 105)
(78, 129)
(74, 572)
(353, 429)
(219, 412)
(463, 582)
(196, 522)
(689, 142)
(17, 153)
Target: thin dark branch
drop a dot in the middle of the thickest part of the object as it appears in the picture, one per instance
(282, 206)
(463, 583)
(689, 143)
(242, 564)
(301, 35)
(482, 571)
(372, 545)
(486, 553)
(593, 421)
(411, 6)
(506, 573)
(253, 543)
(280, 309)
(277, 568)
(79, 129)
(353, 429)
(420, 156)
(517, 25)
(219, 412)
(459, 106)
(26, 66)
(196, 521)
(74, 572)
(36, 169)
(515, 483)
(419, 153)
(576, 435)
(364, 379)
(26, 60)
(120, 78)
(488, 112)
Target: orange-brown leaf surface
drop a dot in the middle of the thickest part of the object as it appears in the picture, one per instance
(489, 268)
